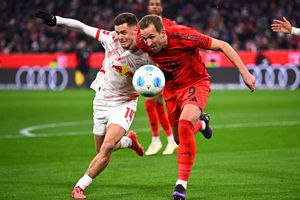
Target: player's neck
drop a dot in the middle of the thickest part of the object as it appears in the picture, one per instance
(133, 48)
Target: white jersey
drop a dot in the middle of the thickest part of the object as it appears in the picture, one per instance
(113, 83)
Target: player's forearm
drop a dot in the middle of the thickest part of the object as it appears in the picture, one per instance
(295, 31)
(76, 25)
(232, 55)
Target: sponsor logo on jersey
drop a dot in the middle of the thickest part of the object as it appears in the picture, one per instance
(124, 71)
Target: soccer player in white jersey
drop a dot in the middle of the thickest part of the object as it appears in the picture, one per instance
(115, 100)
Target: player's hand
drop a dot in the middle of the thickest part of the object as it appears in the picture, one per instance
(281, 26)
(249, 80)
(47, 18)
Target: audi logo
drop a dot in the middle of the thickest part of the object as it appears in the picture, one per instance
(275, 76)
(38, 77)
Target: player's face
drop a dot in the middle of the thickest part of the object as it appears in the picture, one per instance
(155, 7)
(154, 39)
(126, 35)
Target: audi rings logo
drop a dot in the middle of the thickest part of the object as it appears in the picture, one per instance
(42, 78)
(275, 76)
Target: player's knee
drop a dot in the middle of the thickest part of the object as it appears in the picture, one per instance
(107, 147)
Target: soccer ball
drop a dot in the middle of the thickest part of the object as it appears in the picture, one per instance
(148, 80)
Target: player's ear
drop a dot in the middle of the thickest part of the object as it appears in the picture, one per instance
(163, 31)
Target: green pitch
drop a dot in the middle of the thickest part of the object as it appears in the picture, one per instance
(254, 153)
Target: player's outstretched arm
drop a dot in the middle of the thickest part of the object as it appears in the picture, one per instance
(230, 53)
(70, 24)
(284, 26)
(47, 18)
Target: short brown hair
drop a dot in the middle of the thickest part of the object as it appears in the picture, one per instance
(125, 17)
(151, 19)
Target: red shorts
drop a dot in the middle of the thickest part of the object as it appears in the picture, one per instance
(196, 94)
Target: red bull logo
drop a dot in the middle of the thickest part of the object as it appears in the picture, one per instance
(124, 71)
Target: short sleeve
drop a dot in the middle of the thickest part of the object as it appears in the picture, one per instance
(198, 39)
(105, 36)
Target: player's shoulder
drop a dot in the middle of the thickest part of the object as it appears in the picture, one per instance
(168, 22)
(181, 31)
(104, 32)
(107, 36)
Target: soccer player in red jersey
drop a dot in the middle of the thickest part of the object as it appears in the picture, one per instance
(155, 7)
(154, 105)
(176, 50)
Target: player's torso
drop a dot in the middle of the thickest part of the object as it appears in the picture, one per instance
(118, 68)
(181, 65)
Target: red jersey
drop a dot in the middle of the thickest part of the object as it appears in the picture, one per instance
(180, 61)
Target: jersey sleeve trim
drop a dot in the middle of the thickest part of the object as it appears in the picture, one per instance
(97, 34)
(209, 42)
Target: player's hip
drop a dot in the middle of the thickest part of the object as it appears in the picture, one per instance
(196, 94)
(198, 87)
(114, 100)
(121, 115)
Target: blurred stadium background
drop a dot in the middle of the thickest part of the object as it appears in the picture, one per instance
(26, 42)
(46, 108)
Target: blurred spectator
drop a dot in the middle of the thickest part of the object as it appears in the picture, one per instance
(244, 24)
(82, 75)
(261, 59)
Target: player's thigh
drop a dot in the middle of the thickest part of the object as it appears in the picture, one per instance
(174, 110)
(191, 113)
(114, 133)
(101, 114)
(193, 100)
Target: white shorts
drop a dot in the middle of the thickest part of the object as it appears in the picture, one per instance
(104, 115)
